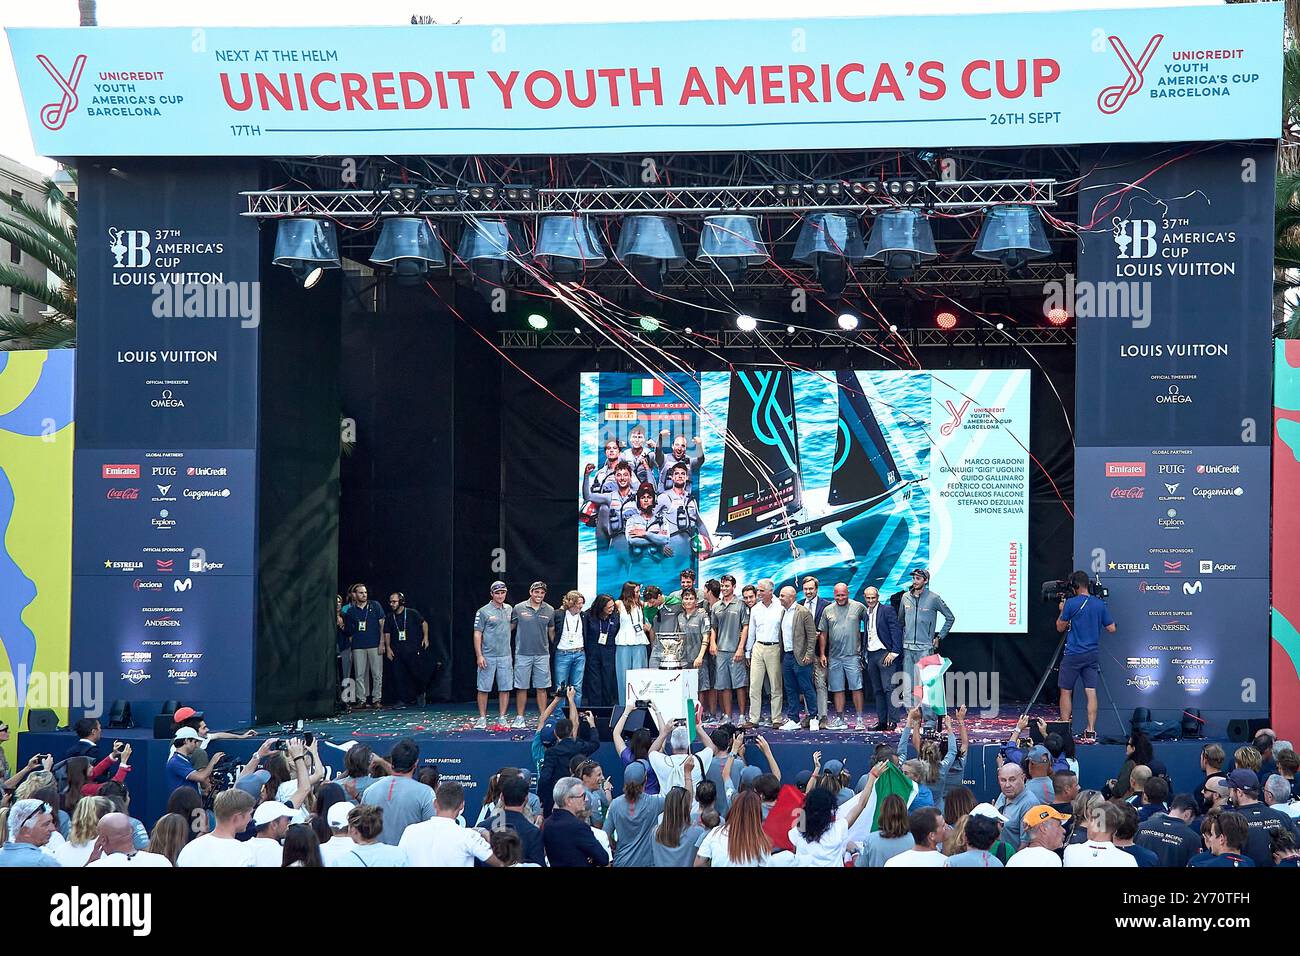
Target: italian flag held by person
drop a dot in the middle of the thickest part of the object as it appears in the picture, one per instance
(929, 681)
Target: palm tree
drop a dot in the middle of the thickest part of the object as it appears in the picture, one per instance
(47, 232)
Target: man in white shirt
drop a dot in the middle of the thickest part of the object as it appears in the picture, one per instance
(271, 818)
(929, 829)
(440, 841)
(668, 767)
(1046, 834)
(763, 646)
(233, 809)
(1100, 849)
(340, 842)
(116, 845)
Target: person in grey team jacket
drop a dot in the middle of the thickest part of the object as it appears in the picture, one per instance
(919, 614)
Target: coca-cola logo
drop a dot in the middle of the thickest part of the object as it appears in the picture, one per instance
(123, 494)
(1136, 491)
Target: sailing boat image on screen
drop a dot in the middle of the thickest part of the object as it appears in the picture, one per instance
(762, 497)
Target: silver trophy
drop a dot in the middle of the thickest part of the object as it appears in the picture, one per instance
(670, 651)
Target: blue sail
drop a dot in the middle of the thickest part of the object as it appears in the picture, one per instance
(863, 468)
(760, 484)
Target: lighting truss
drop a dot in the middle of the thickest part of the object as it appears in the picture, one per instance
(624, 200)
(799, 339)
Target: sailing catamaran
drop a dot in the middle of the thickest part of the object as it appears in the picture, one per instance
(762, 499)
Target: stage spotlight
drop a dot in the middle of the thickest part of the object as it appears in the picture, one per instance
(488, 246)
(901, 239)
(307, 247)
(893, 329)
(829, 242)
(1057, 316)
(999, 326)
(789, 330)
(872, 187)
(746, 323)
(847, 321)
(946, 321)
(688, 330)
(649, 246)
(648, 323)
(1012, 235)
(410, 247)
(567, 246)
(538, 322)
(731, 244)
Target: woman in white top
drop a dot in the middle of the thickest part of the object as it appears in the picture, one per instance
(631, 646)
(570, 659)
(85, 828)
(824, 834)
(741, 841)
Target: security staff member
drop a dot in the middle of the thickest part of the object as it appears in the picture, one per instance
(406, 644)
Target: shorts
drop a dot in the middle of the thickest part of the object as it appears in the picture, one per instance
(499, 669)
(730, 675)
(1074, 666)
(844, 673)
(708, 672)
(532, 671)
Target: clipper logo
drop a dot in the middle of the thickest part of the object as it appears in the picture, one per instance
(54, 115)
(130, 248)
(957, 413)
(1112, 99)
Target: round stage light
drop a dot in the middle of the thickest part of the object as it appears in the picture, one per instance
(746, 323)
(999, 326)
(946, 321)
(311, 277)
(538, 321)
(893, 328)
(847, 321)
(789, 330)
(1058, 316)
(648, 323)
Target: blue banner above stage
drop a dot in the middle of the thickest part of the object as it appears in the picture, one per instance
(1097, 76)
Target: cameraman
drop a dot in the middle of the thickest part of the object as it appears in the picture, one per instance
(1083, 616)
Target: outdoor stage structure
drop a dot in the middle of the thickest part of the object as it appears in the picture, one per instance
(209, 535)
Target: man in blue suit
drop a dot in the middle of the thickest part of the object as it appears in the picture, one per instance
(568, 839)
(883, 642)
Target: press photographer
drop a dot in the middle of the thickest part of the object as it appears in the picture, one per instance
(1082, 619)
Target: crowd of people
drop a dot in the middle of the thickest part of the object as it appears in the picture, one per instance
(719, 799)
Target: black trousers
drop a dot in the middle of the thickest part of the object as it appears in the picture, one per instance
(600, 680)
(881, 681)
(408, 675)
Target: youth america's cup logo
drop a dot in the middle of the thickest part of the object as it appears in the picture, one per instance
(958, 412)
(54, 115)
(1112, 99)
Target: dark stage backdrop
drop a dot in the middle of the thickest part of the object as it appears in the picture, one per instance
(464, 472)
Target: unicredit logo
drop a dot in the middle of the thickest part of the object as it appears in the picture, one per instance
(1126, 469)
(1218, 469)
(120, 471)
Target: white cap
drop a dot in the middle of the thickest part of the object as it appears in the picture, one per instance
(269, 811)
(337, 816)
(988, 810)
(186, 733)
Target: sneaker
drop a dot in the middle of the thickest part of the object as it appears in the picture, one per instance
(1087, 737)
(836, 723)
(791, 725)
(518, 723)
(480, 724)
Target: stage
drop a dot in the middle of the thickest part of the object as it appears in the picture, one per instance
(447, 740)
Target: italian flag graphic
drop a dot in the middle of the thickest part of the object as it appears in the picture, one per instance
(646, 387)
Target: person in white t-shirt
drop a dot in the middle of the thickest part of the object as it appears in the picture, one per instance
(741, 841)
(82, 835)
(1043, 824)
(822, 835)
(928, 829)
(1100, 849)
(365, 826)
(271, 819)
(440, 841)
(340, 843)
(115, 845)
(233, 809)
(668, 767)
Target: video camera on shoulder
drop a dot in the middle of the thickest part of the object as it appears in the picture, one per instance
(1063, 590)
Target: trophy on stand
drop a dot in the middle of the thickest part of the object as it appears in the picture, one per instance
(670, 651)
